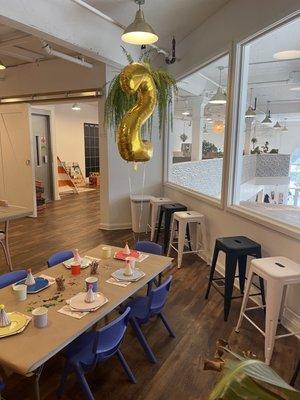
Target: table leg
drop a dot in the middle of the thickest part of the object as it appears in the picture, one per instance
(36, 383)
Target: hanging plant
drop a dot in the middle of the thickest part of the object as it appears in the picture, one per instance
(118, 102)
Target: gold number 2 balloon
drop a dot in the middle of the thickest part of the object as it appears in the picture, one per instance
(136, 78)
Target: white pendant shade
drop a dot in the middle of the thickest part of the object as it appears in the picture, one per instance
(250, 113)
(139, 31)
(277, 125)
(218, 98)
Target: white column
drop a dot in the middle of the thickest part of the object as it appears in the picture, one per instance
(197, 114)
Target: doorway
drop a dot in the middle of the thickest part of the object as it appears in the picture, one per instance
(42, 154)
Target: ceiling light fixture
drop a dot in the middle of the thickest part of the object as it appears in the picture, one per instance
(186, 113)
(218, 126)
(267, 120)
(219, 97)
(284, 129)
(277, 125)
(139, 31)
(2, 66)
(250, 113)
(76, 107)
(287, 55)
(295, 88)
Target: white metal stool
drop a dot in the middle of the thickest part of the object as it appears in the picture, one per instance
(278, 272)
(155, 203)
(193, 219)
(5, 246)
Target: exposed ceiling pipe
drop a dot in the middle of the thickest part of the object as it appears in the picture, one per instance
(47, 48)
(112, 21)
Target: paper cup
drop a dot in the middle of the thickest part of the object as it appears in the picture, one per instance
(106, 252)
(75, 268)
(20, 292)
(40, 317)
(92, 280)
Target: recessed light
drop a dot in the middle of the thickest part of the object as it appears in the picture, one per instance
(287, 55)
(76, 107)
(186, 113)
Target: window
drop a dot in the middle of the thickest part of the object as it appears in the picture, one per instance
(91, 146)
(197, 140)
(267, 165)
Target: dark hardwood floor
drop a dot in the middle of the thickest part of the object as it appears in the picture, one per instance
(198, 323)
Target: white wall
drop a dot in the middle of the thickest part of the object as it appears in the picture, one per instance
(69, 130)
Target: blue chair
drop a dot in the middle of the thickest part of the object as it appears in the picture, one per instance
(59, 257)
(12, 277)
(92, 348)
(143, 308)
(149, 247)
(145, 246)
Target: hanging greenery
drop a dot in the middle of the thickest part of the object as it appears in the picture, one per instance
(118, 102)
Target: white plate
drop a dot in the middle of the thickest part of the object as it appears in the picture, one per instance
(85, 262)
(79, 304)
(120, 275)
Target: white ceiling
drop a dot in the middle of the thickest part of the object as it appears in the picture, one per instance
(167, 17)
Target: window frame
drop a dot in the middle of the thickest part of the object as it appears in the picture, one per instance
(217, 202)
(233, 135)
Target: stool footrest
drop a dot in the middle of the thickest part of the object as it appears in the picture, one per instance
(254, 324)
(286, 335)
(255, 308)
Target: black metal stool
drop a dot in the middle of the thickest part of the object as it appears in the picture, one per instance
(237, 249)
(167, 211)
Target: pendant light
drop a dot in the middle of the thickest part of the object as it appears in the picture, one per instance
(277, 125)
(267, 120)
(76, 107)
(2, 66)
(139, 31)
(205, 129)
(284, 129)
(219, 97)
(250, 113)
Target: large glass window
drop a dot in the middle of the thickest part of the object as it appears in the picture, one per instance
(197, 140)
(267, 167)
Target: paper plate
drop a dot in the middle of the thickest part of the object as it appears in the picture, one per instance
(77, 302)
(85, 262)
(18, 321)
(40, 284)
(120, 276)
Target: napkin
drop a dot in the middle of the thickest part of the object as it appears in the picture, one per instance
(75, 314)
(113, 281)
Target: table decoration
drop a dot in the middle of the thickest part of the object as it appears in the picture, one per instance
(113, 281)
(29, 281)
(128, 271)
(90, 296)
(60, 283)
(78, 303)
(4, 318)
(120, 275)
(94, 267)
(77, 257)
(121, 255)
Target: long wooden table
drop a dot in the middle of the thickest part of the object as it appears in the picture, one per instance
(27, 352)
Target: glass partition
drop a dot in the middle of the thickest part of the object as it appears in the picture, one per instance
(197, 141)
(267, 166)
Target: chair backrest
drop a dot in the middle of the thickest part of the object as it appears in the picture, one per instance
(149, 247)
(12, 277)
(113, 333)
(59, 257)
(158, 296)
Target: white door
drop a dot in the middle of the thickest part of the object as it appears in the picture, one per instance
(16, 173)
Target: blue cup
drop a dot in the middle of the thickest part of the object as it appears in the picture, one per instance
(92, 280)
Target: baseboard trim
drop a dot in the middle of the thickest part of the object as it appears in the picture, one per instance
(115, 227)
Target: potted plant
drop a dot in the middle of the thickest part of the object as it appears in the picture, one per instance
(209, 150)
(253, 141)
(118, 102)
(183, 137)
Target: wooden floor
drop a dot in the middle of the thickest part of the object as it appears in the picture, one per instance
(198, 323)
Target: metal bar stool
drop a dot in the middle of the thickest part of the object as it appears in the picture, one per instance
(167, 211)
(278, 272)
(237, 249)
(155, 203)
(185, 220)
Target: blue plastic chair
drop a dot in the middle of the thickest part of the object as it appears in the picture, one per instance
(92, 348)
(12, 277)
(60, 257)
(145, 246)
(149, 247)
(143, 308)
